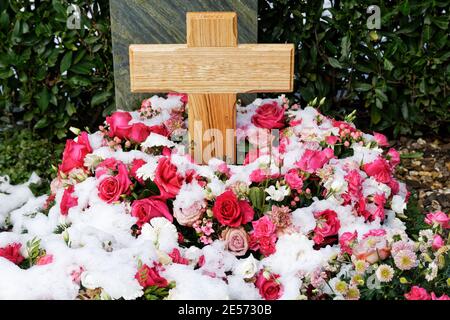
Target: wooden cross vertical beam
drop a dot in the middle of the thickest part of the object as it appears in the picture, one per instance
(212, 116)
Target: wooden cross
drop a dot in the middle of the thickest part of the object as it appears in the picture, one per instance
(212, 68)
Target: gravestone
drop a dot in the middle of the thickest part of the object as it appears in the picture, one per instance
(164, 21)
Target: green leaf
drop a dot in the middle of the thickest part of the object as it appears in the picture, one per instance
(66, 62)
(375, 115)
(388, 65)
(41, 123)
(100, 98)
(256, 196)
(43, 99)
(359, 86)
(334, 63)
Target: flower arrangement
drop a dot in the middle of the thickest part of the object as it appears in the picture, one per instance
(313, 213)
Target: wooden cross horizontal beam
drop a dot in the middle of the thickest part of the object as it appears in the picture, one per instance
(243, 69)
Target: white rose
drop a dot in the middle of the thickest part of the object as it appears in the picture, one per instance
(246, 268)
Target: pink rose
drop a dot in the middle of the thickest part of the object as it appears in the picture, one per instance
(417, 293)
(381, 139)
(167, 178)
(439, 218)
(444, 297)
(313, 160)
(269, 288)
(68, 201)
(354, 182)
(438, 242)
(347, 240)
(236, 240)
(107, 166)
(149, 208)
(332, 140)
(264, 227)
(380, 201)
(188, 216)
(111, 188)
(258, 176)
(118, 124)
(75, 152)
(12, 253)
(379, 169)
(230, 211)
(294, 180)
(393, 157)
(47, 259)
(328, 225)
(137, 163)
(148, 277)
(269, 116)
(138, 132)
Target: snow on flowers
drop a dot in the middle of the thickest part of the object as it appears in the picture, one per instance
(311, 214)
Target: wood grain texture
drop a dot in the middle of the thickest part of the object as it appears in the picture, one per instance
(212, 126)
(212, 117)
(200, 26)
(164, 21)
(242, 69)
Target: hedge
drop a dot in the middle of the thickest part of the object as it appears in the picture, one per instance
(396, 77)
(53, 77)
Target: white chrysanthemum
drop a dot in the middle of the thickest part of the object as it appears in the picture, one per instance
(384, 273)
(147, 171)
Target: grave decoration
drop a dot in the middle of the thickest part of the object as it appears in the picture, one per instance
(314, 212)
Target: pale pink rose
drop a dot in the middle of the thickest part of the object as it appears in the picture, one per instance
(188, 216)
(372, 249)
(439, 218)
(236, 240)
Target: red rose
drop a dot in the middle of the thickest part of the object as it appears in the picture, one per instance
(167, 178)
(269, 116)
(138, 132)
(68, 201)
(379, 169)
(161, 130)
(231, 212)
(327, 225)
(111, 188)
(269, 288)
(149, 208)
(75, 152)
(118, 124)
(12, 253)
(137, 163)
(148, 277)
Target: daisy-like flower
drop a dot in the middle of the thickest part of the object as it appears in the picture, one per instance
(341, 287)
(384, 273)
(352, 293)
(405, 260)
(361, 266)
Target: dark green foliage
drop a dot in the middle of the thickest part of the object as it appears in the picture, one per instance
(53, 77)
(396, 77)
(21, 153)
